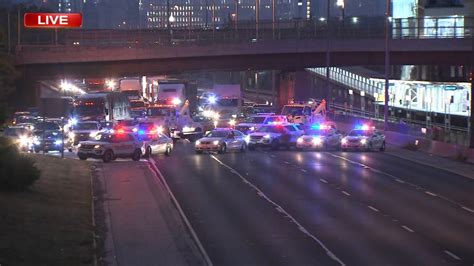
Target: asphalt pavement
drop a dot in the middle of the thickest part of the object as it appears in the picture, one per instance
(322, 208)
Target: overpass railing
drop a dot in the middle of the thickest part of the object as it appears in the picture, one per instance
(245, 31)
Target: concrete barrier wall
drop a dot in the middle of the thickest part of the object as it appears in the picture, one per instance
(419, 143)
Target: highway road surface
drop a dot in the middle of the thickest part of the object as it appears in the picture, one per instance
(322, 208)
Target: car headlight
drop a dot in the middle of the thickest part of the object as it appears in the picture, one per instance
(198, 142)
(267, 137)
(23, 140)
(133, 129)
(188, 129)
(299, 140)
(215, 142)
(36, 140)
(79, 145)
(72, 135)
(93, 134)
(252, 128)
(97, 147)
(363, 141)
(58, 142)
(247, 139)
(317, 141)
(344, 141)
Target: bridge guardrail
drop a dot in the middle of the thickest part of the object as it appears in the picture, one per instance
(244, 31)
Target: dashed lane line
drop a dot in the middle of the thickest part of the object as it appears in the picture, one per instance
(299, 226)
(452, 255)
(373, 208)
(408, 229)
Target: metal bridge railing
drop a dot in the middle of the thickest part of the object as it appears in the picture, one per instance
(245, 31)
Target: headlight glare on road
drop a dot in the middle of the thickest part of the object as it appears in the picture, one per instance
(363, 141)
(215, 142)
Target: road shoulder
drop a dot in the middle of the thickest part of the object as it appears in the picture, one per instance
(459, 168)
(141, 224)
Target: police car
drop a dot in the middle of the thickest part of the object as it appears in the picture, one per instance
(153, 139)
(255, 121)
(364, 138)
(320, 136)
(275, 136)
(221, 140)
(109, 146)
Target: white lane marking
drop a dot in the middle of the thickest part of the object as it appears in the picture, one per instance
(408, 229)
(452, 255)
(286, 162)
(323, 180)
(181, 212)
(467, 209)
(345, 193)
(303, 170)
(272, 155)
(300, 227)
(431, 193)
(373, 208)
(417, 187)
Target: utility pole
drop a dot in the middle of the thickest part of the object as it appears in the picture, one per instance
(9, 33)
(257, 17)
(19, 28)
(273, 19)
(387, 64)
(328, 56)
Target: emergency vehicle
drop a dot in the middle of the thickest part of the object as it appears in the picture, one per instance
(364, 137)
(109, 146)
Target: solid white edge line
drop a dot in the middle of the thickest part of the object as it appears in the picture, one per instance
(323, 180)
(452, 255)
(303, 170)
(346, 193)
(300, 227)
(408, 229)
(431, 193)
(181, 212)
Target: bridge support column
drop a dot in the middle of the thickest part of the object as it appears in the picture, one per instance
(295, 85)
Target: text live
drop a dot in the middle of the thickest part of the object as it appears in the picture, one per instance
(53, 20)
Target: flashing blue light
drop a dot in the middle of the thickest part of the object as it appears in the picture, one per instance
(212, 99)
(316, 126)
(141, 132)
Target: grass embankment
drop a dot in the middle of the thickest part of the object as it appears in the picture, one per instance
(50, 223)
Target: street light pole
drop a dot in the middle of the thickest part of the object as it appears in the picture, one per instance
(9, 33)
(341, 5)
(387, 64)
(328, 57)
(257, 18)
(273, 19)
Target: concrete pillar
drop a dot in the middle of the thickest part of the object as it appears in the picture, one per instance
(286, 89)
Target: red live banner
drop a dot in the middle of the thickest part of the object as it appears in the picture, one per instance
(53, 20)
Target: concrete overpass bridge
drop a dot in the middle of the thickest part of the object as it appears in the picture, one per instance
(112, 53)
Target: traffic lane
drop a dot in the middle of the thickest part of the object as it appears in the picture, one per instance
(450, 185)
(439, 222)
(235, 225)
(356, 234)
